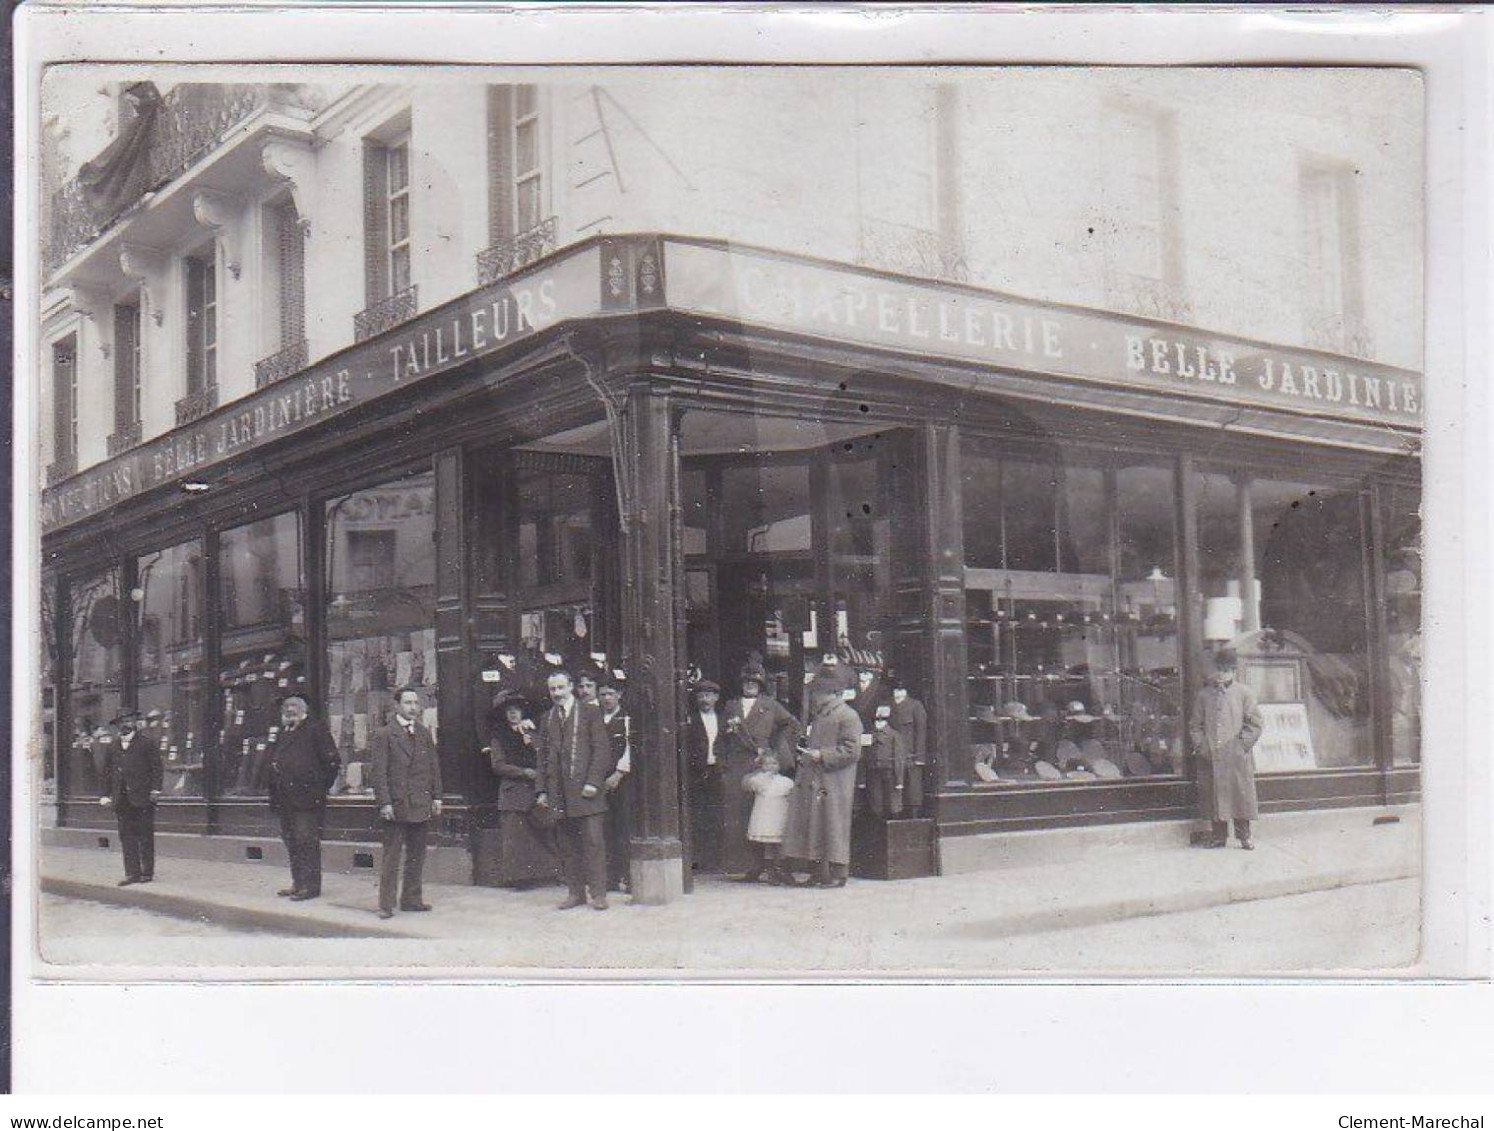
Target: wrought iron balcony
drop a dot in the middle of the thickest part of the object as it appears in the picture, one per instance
(124, 439)
(281, 364)
(194, 406)
(1151, 298)
(385, 315)
(911, 251)
(62, 467)
(1337, 333)
(508, 256)
(180, 128)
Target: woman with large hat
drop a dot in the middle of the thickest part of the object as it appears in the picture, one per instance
(526, 849)
(756, 724)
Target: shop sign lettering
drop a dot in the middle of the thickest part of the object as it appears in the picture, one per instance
(924, 319)
(476, 324)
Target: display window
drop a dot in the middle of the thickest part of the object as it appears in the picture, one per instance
(1072, 627)
(1282, 582)
(96, 689)
(380, 564)
(1401, 523)
(263, 656)
(170, 596)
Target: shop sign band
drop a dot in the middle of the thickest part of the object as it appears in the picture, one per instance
(945, 321)
(475, 325)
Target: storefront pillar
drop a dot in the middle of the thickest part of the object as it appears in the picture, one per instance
(648, 488)
(943, 559)
(457, 739)
(1249, 603)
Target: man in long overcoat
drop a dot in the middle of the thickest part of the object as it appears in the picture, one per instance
(1225, 726)
(755, 724)
(131, 788)
(406, 775)
(819, 820)
(911, 720)
(303, 765)
(575, 757)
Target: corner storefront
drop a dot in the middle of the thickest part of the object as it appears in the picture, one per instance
(676, 453)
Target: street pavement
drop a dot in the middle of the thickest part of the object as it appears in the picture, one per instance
(1333, 895)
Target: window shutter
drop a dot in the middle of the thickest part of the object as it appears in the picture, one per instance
(126, 326)
(195, 306)
(500, 163)
(292, 275)
(375, 222)
(65, 439)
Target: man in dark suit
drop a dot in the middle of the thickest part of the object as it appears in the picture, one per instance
(303, 766)
(705, 753)
(407, 788)
(619, 824)
(575, 757)
(133, 785)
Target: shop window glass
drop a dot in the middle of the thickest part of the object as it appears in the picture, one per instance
(765, 509)
(694, 511)
(555, 528)
(1282, 583)
(264, 644)
(1309, 559)
(170, 597)
(1402, 526)
(380, 614)
(861, 553)
(96, 689)
(1072, 626)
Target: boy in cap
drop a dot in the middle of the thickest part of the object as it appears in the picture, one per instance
(887, 763)
(1225, 726)
(132, 789)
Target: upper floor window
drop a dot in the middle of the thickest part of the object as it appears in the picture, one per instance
(1333, 302)
(1143, 230)
(202, 321)
(387, 217)
(527, 186)
(127, 367)
(65, 399)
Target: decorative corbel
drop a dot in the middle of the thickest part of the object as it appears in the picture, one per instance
(295, 164)
(86, 302)
(219, 212)
(147, 267)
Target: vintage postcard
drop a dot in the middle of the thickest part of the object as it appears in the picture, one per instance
(719, 521)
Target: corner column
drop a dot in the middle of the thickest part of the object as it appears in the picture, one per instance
(650, 567)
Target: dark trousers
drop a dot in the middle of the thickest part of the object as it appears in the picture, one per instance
(619, 827)
(409, 837)
(583, 854)
(1242, 829)
(884, 791)
(706, 817)
(913, 789)
(137, 839)
(301, 830)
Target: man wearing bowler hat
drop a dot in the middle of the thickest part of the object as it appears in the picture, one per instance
(131, 790)
(303, 766)
(1225, 726)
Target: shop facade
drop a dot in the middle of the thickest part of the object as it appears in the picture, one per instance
(676, 454)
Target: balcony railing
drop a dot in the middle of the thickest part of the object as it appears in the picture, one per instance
(62, 467)
(194, 406)
(281, 364)
(909, 250)
(508, 256)
(124, 439)
(189, 123)
(385, 315)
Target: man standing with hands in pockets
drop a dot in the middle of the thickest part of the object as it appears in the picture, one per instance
(1226, 724)
(575, 757)
(407, 788)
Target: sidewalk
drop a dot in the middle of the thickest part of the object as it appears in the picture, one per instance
(948, 923)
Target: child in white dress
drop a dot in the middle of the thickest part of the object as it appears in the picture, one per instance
(769, 818)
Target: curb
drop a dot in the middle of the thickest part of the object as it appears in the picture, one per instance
(223, 914)
(1143, 907)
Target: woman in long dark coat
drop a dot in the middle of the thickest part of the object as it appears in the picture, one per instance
(526, 854)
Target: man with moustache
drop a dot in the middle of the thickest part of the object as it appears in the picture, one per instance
(303, 765)
(575, 757)
(131, 789)
(406, 776)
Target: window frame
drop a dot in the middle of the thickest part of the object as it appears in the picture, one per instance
(522, 178)
(392, 195)
(128, 364)
(200, 270)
